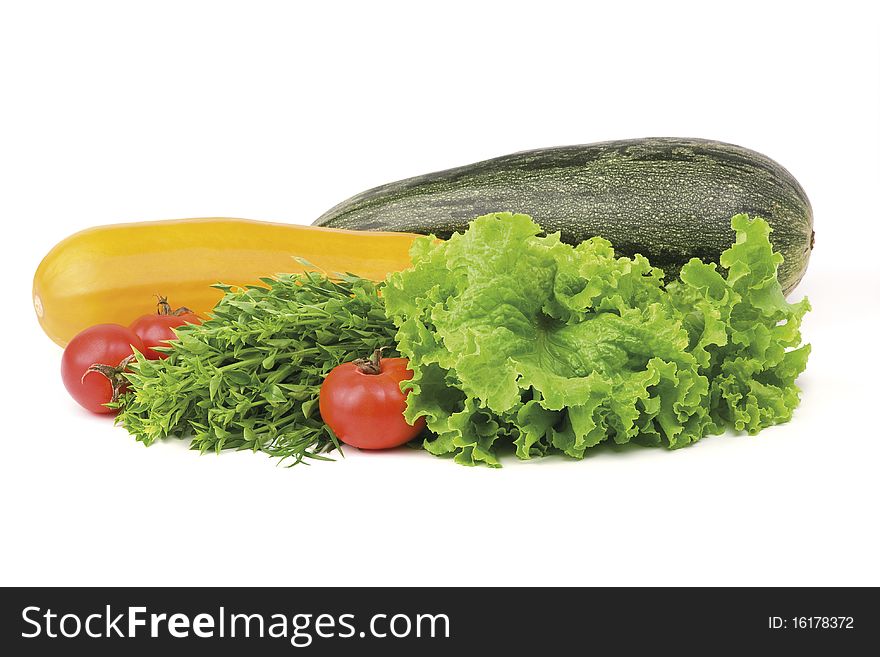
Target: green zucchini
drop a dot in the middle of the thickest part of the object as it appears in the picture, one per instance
(668, 199)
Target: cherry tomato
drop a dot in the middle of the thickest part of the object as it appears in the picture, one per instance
(363, 404)
(103, 346)
(156, 330)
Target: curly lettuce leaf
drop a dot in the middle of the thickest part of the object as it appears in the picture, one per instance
(519, 339)
(746, 334)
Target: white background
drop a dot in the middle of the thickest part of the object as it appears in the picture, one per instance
(117, 111)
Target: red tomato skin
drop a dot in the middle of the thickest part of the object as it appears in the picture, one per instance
(366, 410)
(156, 330)
(105, 344)
(190, 318)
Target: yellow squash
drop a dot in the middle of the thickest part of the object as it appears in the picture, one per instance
(114, 273)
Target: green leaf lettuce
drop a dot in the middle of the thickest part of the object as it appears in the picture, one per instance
(522, 340)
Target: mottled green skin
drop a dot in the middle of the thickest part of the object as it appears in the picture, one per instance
(668, 199)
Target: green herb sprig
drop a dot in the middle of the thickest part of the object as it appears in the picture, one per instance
(248, 378)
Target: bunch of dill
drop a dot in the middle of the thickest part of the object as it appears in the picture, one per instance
(248, 377)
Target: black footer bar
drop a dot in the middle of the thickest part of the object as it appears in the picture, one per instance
(427, 621)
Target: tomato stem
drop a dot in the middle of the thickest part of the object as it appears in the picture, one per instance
(164, 308)
(371, 365)
(113, 374)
